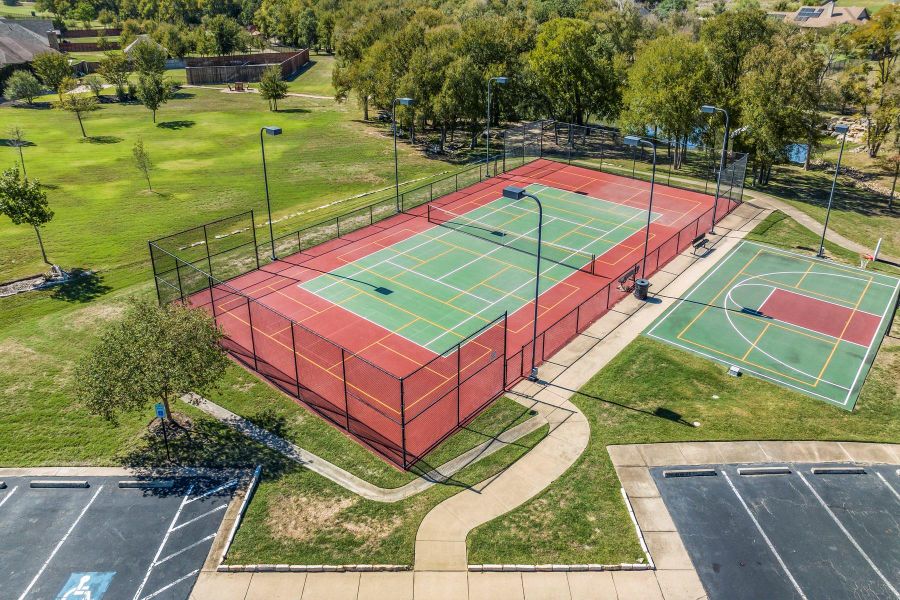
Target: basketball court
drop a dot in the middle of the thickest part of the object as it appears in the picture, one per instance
(801, 322)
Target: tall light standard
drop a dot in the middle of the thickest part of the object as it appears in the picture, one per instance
(633, 140)
(516, 193)
(487, 151)
(401, 102)
(268, 130)
(842, 129)
(709, 109)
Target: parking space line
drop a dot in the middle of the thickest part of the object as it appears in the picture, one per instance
(206, 514)
(880, 476)
(183, 550)
(167, 586)
(165, 539)
(765, 537)
(8, 495)
(60, 543)
(224, 486)
(849, 537)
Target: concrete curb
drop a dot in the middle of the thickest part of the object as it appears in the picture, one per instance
(311, 568)
(556, 568)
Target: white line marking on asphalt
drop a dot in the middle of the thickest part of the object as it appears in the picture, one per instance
(224, 486)
(183, 550)
(849, 537)
(165, 539)
(890, 487)
(174, 583)
(60, 543)
(8, 495)
(206, 514)
(765, 537)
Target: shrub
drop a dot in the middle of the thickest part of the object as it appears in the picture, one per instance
(22, 85)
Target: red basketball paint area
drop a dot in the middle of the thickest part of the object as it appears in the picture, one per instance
(832, 319)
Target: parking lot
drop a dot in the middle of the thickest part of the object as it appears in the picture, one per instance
(95, 539)
(788, 530)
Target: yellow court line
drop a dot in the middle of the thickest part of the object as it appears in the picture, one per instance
(805, 291)
(755, 342)
(469, 289)
(805, 273)
(844, 330)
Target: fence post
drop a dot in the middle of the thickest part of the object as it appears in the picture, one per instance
(431, 192)
(569, 146)
(458, 380)
(403, 422)
(346, 397)
(542, 139)
(155, 276)
(505, 333)
(337, 223)
(178, 276)
(296, 364)
(212, 300)
(255, 247)
(371, 218)
(206, 243)
(456, 182)
(252, 340)
(523, 143)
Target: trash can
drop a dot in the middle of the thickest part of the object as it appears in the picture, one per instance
(640, 288)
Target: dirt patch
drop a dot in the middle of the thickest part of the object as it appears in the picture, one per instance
(94, 314)
(371, 531)
(300, 517)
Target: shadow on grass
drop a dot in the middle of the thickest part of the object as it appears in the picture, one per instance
(303, 69)
(182, 96)
(292, 110)
(15, 144)
(35, 106)
(658, 413)
(101, 139)
(813, 189)
(176, 124)
(83, 287)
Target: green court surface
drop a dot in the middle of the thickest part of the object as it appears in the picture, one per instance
(438, 285)
(804, 323)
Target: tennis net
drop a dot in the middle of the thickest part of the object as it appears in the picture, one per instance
(577, 260)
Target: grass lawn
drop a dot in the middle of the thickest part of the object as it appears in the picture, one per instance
(581, 517)
(22, 10)
(315, 78)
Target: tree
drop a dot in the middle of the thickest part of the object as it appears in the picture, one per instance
(272, 87)
(225, 33)
(115, 69)
(24, 201)
(666, 86)
(52, 68)
(142, 160)
(308, 29)
(574, 71)
(22, 85)
(151, 354)
(148, 58)
(779, 95)
(78, 104)
(85, 12)
(17, 139)
(95, 84)
(153, 91)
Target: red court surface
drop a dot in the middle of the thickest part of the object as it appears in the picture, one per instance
(840, 322)
(375, 382)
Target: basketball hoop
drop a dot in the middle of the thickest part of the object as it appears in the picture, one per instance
(864, 260)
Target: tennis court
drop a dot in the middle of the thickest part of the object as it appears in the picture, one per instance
(404, 328)
(804, 323)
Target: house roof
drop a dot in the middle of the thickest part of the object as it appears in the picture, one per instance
(19, 44)
(826, 15)
(140, 40)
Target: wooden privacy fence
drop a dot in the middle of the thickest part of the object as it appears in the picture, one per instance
(242, 67)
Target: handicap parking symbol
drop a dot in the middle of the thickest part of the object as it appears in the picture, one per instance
(85, 586)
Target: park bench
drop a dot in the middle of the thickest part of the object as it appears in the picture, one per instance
(631, 274)
(701, 241)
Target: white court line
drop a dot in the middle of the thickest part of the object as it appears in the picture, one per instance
(8, 495)
(833, 265)
(438, 281)
(174, 583)
(765, 537)
(224, 486)
(165, 539)
(195, 519)
(890, 487)
(185, 549)
(891, 306)
(60, 543)
(849, 537)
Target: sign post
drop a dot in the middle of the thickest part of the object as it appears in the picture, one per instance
(161, 414)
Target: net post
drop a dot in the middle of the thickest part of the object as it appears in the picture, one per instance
(403, 421)
(255, 246)
(346, 396)
(208, 256)
(252, 337)
(296, 364)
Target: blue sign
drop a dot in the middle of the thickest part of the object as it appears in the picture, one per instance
(85, 586)
(160, 410)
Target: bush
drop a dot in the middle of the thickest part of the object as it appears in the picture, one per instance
(10, 2)
(22, 85)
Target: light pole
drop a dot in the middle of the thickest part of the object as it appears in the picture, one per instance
(268, 130)
(709, 109)
(516, 193)
(842, 129)
(402, 102)
(487, 151)
(633, 140)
